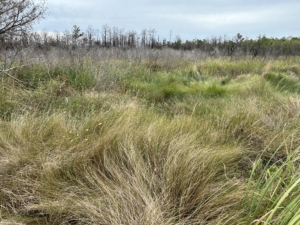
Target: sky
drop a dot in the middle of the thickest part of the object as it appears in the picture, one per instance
(189, 19)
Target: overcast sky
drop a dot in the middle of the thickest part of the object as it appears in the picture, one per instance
(187, 18)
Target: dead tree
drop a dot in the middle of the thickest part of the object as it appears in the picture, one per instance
(16, 16)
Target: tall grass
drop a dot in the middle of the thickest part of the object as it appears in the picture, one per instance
(275, 198)
(154, 173)
(148, 141)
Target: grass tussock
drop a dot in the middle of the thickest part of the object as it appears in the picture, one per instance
(150, 142)
(99, 168)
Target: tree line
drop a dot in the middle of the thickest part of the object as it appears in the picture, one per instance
(113, 37)
(17, 17)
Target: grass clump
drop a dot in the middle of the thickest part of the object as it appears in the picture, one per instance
(159, 87)
(228, 68)
(283, 82)
(79, 77)
(147, 171)
(11, 99)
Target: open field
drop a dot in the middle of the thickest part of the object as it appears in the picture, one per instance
(156, 139)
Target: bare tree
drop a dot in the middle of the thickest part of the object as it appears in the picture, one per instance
(122, 38)
(16, 16)
(131, 40)
(115, 41)
(105, 35)
(144, 37)
(151, 39)
(67, 36)
(89, 35)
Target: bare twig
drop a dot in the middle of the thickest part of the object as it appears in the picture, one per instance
(14, 78)
(13, 68)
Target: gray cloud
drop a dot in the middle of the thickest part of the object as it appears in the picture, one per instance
(190, 18)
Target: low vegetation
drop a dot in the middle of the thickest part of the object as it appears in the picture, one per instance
(142, 141)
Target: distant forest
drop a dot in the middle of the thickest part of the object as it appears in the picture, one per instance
(113, 37)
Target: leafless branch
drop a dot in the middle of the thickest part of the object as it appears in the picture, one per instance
(16, 16)
(14, 78)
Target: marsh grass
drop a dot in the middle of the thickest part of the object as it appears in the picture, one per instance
(79, 77)
(151, 142)
(228, 68)
(283, 82)
(97, 167)
(158, 87)
(275, 198)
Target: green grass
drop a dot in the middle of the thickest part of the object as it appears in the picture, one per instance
(284, 82)
(232, 69)
(276, 191)
(158, 86)
(79, 77)
(151, 142)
